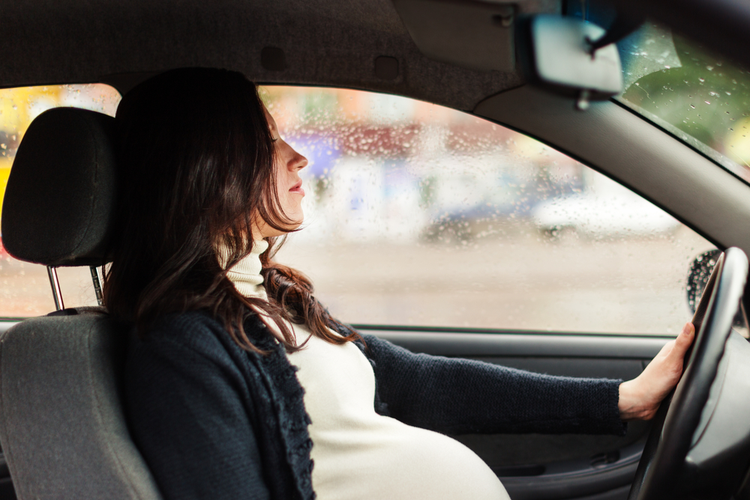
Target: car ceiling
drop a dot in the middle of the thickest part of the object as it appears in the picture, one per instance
(332, 42)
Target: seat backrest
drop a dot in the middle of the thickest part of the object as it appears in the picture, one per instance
(62, 424)
(61, 417)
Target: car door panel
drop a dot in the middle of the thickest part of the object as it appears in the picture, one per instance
(549, 466)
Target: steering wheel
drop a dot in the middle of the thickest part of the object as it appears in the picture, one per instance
(679, 416)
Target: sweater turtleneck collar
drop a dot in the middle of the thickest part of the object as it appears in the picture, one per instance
(245, 275)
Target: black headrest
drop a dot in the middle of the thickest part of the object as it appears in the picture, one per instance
(59, 204)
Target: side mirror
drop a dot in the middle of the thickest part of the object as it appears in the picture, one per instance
(559, 54)
(698, 276)
(700, 270)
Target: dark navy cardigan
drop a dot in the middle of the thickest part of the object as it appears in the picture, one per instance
(216, 422)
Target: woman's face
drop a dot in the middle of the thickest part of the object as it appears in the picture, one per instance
(287, 165)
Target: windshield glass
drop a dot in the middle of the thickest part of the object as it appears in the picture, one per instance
(699, 97)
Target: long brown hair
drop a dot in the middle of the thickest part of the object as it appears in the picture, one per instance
(197, 163)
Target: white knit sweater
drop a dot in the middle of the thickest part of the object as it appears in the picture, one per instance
(359, 454)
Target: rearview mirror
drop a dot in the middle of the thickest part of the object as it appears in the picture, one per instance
(556, 53)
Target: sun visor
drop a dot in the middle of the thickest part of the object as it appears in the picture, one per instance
(476, 35)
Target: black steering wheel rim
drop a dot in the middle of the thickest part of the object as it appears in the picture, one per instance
(679, 415)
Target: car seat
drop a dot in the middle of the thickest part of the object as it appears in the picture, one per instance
(62, 424)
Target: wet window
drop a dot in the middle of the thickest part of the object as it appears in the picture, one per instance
(698, 96)
(421, 215)
(25, 288)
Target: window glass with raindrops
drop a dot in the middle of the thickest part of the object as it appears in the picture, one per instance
(419, 215)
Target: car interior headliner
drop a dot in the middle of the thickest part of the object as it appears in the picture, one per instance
(332, 42)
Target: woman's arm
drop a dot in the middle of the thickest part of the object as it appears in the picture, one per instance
(458, 395)
(465, 396)
(187, 413)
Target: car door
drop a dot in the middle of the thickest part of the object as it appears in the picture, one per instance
(549, 466)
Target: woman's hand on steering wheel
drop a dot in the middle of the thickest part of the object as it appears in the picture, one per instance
(640, 397)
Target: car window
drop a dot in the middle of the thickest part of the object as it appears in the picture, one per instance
(698, 96)
(418, 215)
(24, 288)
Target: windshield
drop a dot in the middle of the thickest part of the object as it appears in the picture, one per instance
(697, 96)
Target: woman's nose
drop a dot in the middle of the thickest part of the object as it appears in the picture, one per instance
(298, 161)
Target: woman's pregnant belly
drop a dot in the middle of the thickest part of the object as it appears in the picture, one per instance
(359, 454)
(387, 459)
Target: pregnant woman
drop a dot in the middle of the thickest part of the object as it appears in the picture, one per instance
(240, 384)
